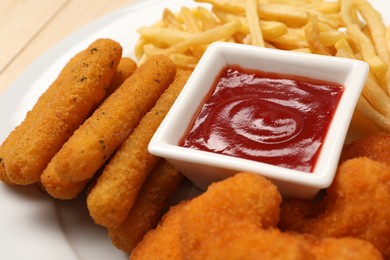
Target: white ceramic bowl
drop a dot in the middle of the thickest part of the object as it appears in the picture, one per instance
(203, 168)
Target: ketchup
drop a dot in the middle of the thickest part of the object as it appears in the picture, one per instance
(267, 117)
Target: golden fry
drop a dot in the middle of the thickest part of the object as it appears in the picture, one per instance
(312, 33)
(129, 167)
(313, 26)
(253, 23)
(148, 208)
(167, 36)
(370, 112)
(377, 28)
(190, 23)
(206, 37)
(101, 134)
(65, 105)
(170, 19)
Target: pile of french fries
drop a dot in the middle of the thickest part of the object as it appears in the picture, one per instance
(343, 28)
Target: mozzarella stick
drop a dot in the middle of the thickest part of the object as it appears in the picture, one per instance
(95, 141)
(125, 69)
(129, 167)
(69, 100)
(148, 208)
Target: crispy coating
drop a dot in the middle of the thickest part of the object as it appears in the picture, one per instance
(375, 147)
(59, 111)
(148, 208)
(236, 219)
(125, 69)
(252, 242)
(129, 167)
(356, 204)
(339, 248)
(164, 241)
(95, 141)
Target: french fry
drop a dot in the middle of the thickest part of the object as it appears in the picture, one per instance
(170, 20)
(350, 28)
(270, 29)
(207, 37)
(294, 39)
(189, 21)
(329, 38)
(377, 96)
(185, 62)
(312, 34)
(253, 23)
(209, 20)
(377, 28)
(363, 43)
(167, 36)
(388, 38)
(370, 112)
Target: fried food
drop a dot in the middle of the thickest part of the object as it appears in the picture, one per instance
(148, 208)
(309, 26)
(356, 204)
(125, 69)
(249, 197)
(95, 141)
(236, 219)
(129, 167)
(164, 241)
(375, 147)
(60, 110)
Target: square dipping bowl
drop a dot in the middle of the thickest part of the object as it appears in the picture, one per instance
(204, 168)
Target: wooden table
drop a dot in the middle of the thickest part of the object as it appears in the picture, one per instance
(30, 27)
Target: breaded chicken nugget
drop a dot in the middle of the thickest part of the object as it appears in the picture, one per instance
(129, 167)
(339, 248)
(375, 147)
(236, 219)
(356, 204)
(125, 69)
(252, 242)
(164, 241)
(101, 134)
(65, 105)
(148, 208)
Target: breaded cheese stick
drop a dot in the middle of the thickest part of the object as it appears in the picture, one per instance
(129, 167)
(125, 69)
(69, 100)
(96, 140)
(148, 208)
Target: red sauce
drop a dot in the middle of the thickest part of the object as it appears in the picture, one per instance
(266, 117)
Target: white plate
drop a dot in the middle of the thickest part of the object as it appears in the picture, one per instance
(32, 225)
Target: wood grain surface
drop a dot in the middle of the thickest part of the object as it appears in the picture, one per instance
(30, 27)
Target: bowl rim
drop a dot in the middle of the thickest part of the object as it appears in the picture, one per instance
(319, 178)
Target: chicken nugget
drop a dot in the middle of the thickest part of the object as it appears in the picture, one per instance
(356, 204)
(252, 242)
(236, 219)
(59, 111)
(375, 147)
(129, 167)
(148, 208)
(163, 242)
(246, 197)
(339, 248)
(100, 135)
